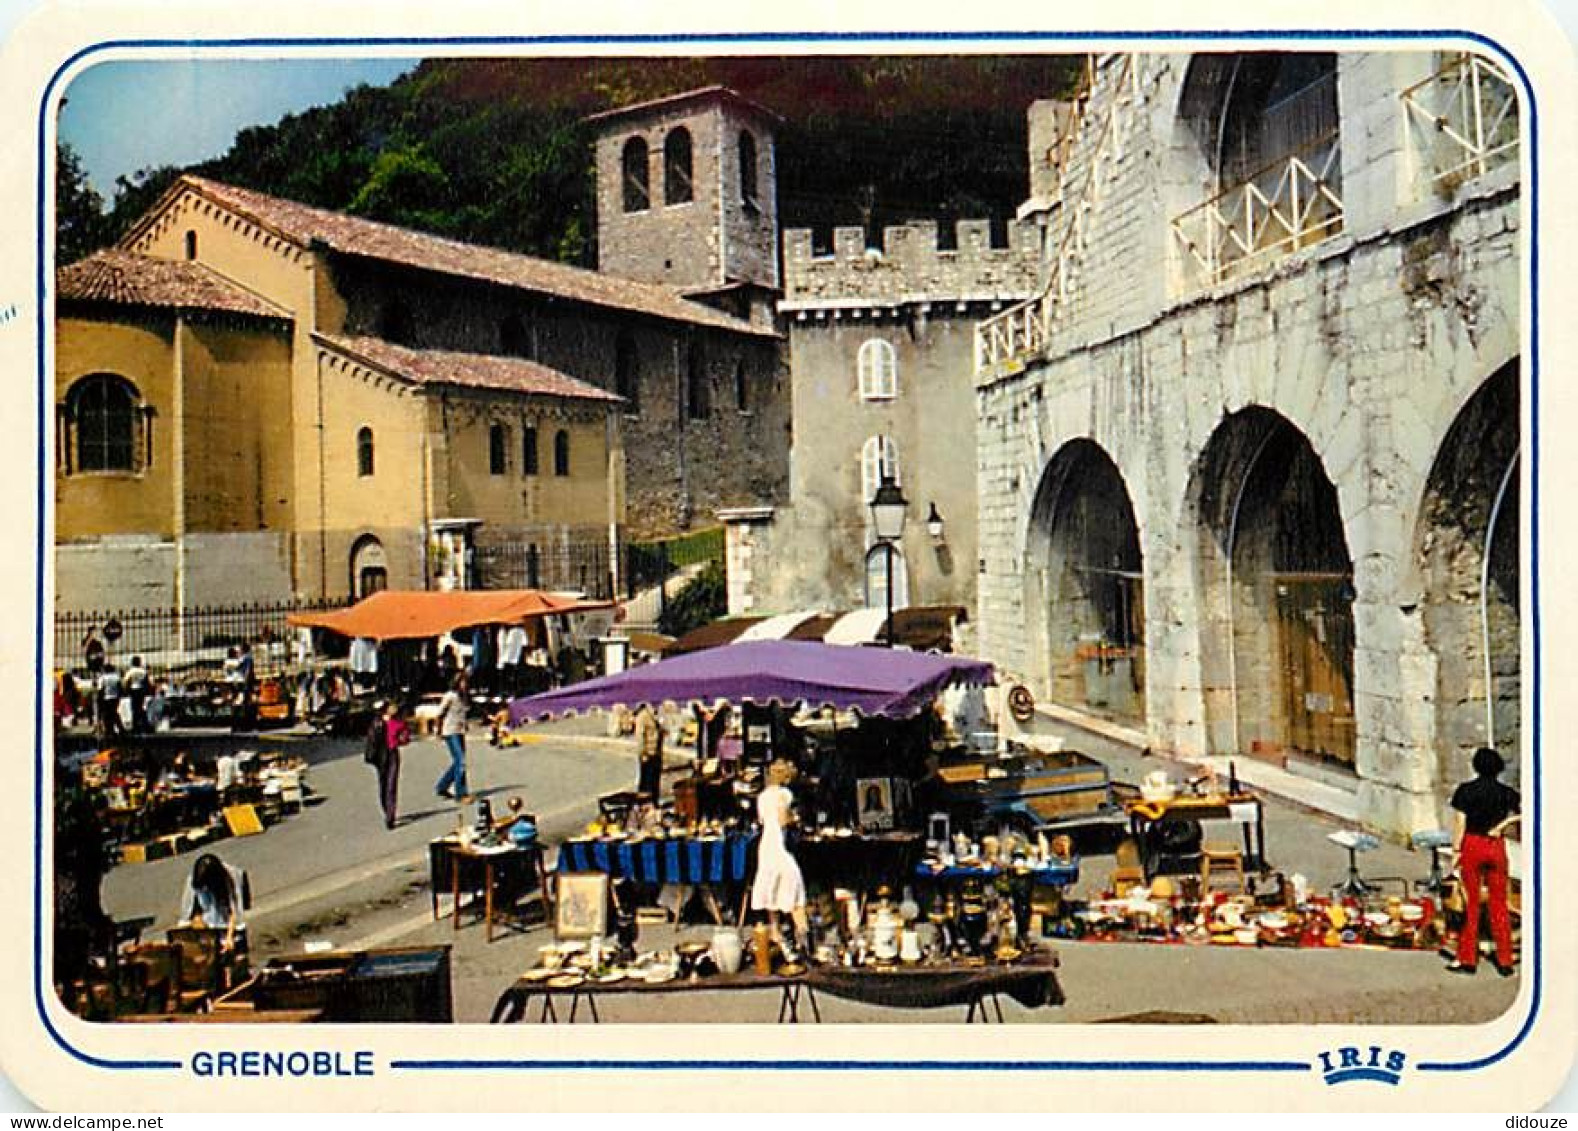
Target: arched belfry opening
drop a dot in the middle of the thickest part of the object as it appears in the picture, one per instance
(1467, 544)
(1088, 567)
(1274, 582)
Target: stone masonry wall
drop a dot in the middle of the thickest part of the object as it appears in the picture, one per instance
(910, 268)
(679, 469)
(1370, 344)
(714, 237)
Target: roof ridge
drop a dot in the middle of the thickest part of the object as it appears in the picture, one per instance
(218, 191)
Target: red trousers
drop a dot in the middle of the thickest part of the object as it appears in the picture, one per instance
(1483, 860)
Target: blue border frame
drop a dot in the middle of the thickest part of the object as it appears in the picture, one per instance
(1161, 37)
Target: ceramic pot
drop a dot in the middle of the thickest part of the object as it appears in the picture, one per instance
(727, 951)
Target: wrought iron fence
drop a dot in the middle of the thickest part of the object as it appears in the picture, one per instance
(1463, 120)
(580, 565)
(166, 639)
(1289, 204)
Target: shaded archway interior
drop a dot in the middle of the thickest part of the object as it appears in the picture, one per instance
(1465, 604)
(1275, 583)
(1094, 589)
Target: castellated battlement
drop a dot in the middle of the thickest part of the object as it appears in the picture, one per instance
(910, 267)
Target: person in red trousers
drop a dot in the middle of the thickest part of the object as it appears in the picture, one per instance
(1485, 807)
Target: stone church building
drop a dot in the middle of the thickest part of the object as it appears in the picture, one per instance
(258, 400)
(1248, 461)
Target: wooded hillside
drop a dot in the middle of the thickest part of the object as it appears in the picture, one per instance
(495, 151)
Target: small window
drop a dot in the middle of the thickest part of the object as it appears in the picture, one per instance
(878, 371)
(879, 457)
(191, 244)
(627, 372)
(561, 453)
(742, 393)
(498, 444)
(748, 168)
(364, 452)
(638, 195)
(529, 450)
(698, 392)
(678, 187)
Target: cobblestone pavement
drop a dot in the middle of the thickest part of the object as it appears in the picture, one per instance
(333, 874)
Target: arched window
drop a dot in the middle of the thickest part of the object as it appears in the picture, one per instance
(529, 450)
(748, 168)
(498, 449)
(638, 197)
(877, 578)
(698, 391)
(878, 371)
(561, 452)
(364, 451)
(677, 184)
(742, 393)
(627, 372)
(191, 244)
(106, 427)
(515, 336)
(879, 457)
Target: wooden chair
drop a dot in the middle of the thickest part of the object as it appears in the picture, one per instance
(1220, 862)
(1124, 880)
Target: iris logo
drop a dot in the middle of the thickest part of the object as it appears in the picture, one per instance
(1340, 1066)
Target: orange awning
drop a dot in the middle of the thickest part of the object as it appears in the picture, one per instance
(418, 614)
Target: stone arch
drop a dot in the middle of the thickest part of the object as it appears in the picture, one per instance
(369, 567)
(1466, 550)
(1087, 594)
(1274, 586)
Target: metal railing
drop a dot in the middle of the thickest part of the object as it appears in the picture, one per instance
(1286, 205)
(1462, 120)
(168, 639)
(584, 565)
(1006, 342)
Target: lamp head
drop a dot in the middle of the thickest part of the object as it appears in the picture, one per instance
(888, 506)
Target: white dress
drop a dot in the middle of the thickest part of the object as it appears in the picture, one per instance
(779, 885)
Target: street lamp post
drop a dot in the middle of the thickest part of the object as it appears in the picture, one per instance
(888, 505)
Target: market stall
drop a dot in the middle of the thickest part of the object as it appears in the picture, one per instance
(156, 802)
(409, 643)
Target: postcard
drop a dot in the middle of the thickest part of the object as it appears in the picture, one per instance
(723, 552)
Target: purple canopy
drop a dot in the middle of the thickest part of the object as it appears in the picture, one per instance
(873, 681)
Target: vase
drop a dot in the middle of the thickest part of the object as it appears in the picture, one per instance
(727, 951)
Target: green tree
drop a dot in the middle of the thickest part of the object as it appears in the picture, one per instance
(409, 188)
(81, 227)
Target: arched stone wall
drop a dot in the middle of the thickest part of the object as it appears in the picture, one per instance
(1468, 509)
(1275, 585)
(1085, 573)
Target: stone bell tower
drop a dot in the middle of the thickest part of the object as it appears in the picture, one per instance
(687, 194)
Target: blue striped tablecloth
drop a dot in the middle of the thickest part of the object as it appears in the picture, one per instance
(672, 860)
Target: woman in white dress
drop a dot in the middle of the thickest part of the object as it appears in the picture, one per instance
(778, 887)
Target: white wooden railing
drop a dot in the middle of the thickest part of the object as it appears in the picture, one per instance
(1006, 342)
(1289, 204)
(1462, 120)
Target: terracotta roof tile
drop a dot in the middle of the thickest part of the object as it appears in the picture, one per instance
(471, 370)
(128, 279)
(352, 235)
